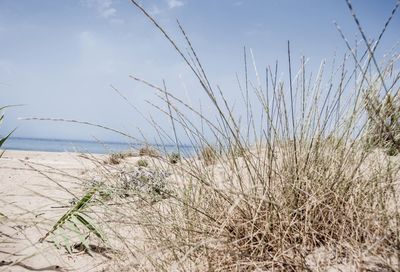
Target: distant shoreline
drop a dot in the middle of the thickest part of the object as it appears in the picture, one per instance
(78, 146)
(68, 140)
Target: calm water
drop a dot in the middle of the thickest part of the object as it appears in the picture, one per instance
(56, 145)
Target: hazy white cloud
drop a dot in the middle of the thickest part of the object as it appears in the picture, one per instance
(175, 3)
(108, 12)
(238, 3)
(154, 10)
(104, 8)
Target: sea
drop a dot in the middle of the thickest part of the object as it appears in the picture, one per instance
(82, 146)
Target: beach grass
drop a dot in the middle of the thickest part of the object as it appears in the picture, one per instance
(294, 181)
(4, 139)
(306, 180)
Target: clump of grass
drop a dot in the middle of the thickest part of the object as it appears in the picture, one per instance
(144, 181)
(383, 122)
(174, 158)
(236, 151)
(142, 163)
(117, 157)
(208, 155)
(114, 158)
(148, 151)
(301, 182)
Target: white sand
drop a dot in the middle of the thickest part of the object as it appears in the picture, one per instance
(32, 202)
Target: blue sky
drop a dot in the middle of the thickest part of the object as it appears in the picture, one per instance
(59, 58)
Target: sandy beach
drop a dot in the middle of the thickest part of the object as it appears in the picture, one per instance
(32, 199)
(39, 187)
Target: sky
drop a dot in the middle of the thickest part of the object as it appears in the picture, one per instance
(60, 58)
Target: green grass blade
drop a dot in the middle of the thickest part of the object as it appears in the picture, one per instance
(89, 226)
(5, 138)
(72, 212)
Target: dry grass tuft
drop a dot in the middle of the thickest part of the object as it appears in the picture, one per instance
(142, 163)
(209, 155)
(148, 151)
(295, 179)
(384, 122)
(174, 158)
(117, 157)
